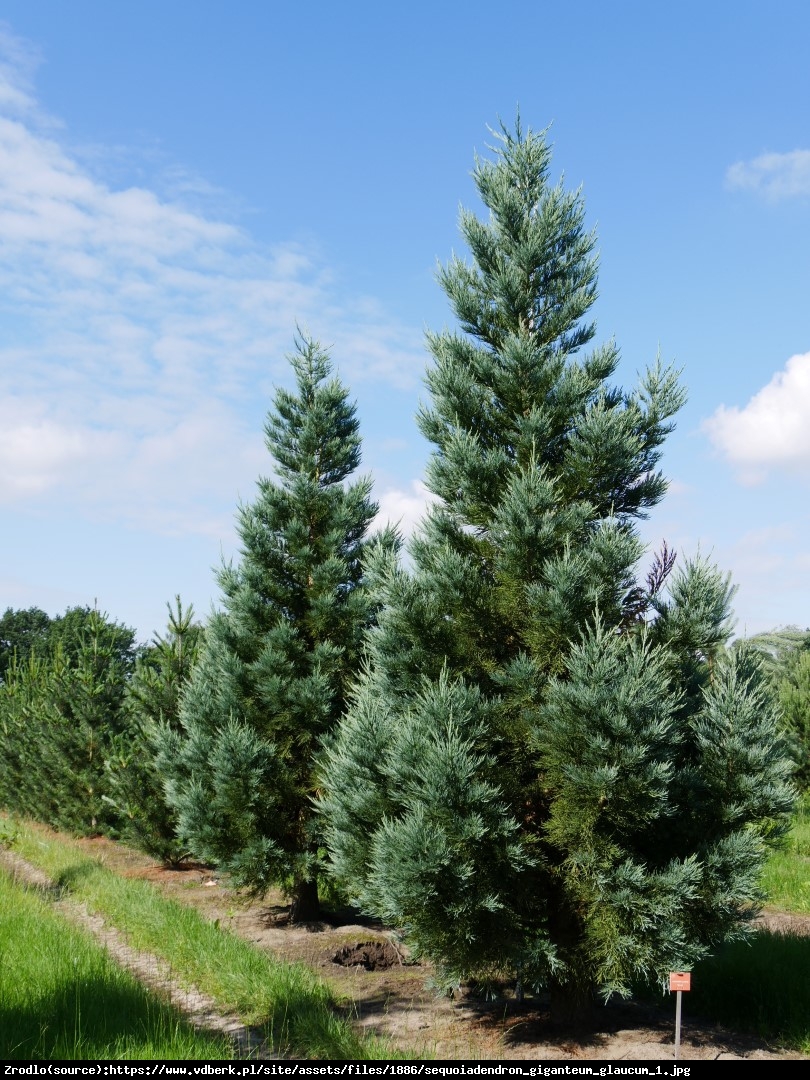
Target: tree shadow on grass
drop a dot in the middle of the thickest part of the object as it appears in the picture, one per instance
(761, 986)
(69, 879)
(94, 1018)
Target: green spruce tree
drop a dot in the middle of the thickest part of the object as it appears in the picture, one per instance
(793, 689)
(62, 719)
(152, 701)
(272, 676)
(548, 771)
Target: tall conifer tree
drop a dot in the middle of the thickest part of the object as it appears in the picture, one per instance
(272, 675)
(549, 770)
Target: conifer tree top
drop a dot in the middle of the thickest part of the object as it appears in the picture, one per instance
(513, 390)
(535, 271)
(277, 660)
(314, 433)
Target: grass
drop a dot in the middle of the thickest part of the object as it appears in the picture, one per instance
(62, 997)
(761, 986)
(295, 1008)
(786, 878)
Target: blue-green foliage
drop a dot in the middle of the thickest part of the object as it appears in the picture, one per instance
(548, 768)
(277, 660)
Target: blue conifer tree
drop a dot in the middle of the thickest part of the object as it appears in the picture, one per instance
(549, 771)
(273, 672)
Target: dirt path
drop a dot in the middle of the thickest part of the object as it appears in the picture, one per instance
(200, 1010)
(393, 998)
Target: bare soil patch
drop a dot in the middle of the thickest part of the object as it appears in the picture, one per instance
(394, 997)
(371, 955)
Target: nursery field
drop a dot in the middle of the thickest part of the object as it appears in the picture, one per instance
(345, 988)
(516, 735)
(786, 877)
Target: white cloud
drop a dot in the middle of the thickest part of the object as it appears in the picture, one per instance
(773, 429)
(776, 176)
(403, 508)
(140, 334)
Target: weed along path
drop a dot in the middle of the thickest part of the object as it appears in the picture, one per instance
(378, 1003)
(201, 1011)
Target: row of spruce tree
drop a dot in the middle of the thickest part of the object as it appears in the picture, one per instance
(80, 703)
(535, 762)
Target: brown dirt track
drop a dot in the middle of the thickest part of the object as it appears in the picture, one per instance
(386, 994)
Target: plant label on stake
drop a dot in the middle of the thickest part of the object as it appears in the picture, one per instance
(679, 981)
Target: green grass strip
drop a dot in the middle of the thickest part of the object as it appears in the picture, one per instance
(287, 1000)
(62, 997)
(786, 877)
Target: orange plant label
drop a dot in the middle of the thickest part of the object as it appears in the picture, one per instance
(680, 980)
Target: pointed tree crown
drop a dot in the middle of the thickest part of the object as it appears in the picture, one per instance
(277, 661)
(511, 392)
(313, 434)
(548, 769)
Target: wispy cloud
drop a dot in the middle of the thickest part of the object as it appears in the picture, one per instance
(776, 176)
(772, 430)
(19, 61)
(772, 566)
(140, 330)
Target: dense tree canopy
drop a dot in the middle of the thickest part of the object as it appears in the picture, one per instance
(30, 631)
(22, 632)
(273, 673)
(151, 702)
(62, 719)
(549, 770)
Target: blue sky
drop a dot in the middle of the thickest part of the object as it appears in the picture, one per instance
(181, 183)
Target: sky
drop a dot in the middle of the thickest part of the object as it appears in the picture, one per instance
(183, 184)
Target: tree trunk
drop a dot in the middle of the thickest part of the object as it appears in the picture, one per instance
(572, 998)
(305, 906)
(572, 1005)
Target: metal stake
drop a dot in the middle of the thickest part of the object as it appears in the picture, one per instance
(678, 1024)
